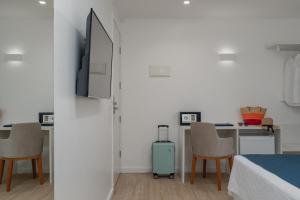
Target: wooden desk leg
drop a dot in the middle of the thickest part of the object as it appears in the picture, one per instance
(193, 173)
(40, 169)
(9, 174)
(2, 164)
(230, 161)
(51, 157)
(204, 168)
(33, 163)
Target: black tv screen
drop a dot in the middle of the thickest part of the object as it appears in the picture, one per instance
(95, 73)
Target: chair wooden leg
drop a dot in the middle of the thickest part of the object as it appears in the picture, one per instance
(40, 169)
(230, 161)
(218, 169)
(204, 168)
(33, 163)
(193, 173)
(2, 164)
(9, 175)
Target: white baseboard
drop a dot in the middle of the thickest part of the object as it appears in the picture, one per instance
(110, 194)
(129, 170)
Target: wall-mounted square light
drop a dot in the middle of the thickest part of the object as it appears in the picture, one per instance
(13, 57)
(227, 57)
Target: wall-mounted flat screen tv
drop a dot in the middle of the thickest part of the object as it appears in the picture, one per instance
(95, 73)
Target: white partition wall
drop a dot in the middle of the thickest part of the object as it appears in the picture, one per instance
(83, 127)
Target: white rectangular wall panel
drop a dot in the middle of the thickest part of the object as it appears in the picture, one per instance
(159, 71)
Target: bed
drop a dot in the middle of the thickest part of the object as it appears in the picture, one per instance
(265, 177)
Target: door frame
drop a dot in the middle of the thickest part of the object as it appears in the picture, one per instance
(114, 179)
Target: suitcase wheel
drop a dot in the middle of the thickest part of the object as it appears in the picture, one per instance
(155, 176)
(171, 176)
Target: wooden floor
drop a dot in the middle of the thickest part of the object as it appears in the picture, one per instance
(144, 187)
(129, 187)
(26, 188)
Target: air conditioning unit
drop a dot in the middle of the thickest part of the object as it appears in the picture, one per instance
(292, 81)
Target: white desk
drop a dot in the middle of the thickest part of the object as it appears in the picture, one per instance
(47, 130)
(224, 131)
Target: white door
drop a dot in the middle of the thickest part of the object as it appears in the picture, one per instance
(116, 104)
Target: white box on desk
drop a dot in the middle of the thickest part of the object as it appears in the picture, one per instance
(257, 144)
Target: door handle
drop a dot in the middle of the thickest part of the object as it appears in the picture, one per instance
(115, 106)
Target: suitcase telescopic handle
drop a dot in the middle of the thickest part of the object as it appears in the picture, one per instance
(163, 126)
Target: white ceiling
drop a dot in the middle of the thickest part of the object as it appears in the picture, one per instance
(169, 9)
(25, 9)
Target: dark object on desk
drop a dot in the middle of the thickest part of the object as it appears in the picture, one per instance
(224, 124)
(186, 118)
(10, 125)
(46, 118)
(47, 124)
(7, 125)
(268, 122)
(269, 128)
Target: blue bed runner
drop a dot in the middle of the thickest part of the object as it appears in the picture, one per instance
(287, 167)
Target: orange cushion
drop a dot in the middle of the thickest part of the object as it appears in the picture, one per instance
(253, 118)
(256, 115)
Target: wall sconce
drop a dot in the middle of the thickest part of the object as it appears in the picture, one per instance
(227, 57)
(13, 57)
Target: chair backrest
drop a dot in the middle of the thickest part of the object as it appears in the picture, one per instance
(204, 138)
(25, 141)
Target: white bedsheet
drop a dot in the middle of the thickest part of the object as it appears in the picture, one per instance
(249, 181)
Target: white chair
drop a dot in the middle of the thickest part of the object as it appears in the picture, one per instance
(207, 145)
(24, 143)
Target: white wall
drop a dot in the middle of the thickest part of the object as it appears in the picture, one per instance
(199, 82)
(26, 88)
(83, 127)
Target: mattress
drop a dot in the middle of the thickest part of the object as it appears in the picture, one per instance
(262, 177)
(284, 166)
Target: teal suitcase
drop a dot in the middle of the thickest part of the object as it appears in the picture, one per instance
(163, 156)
